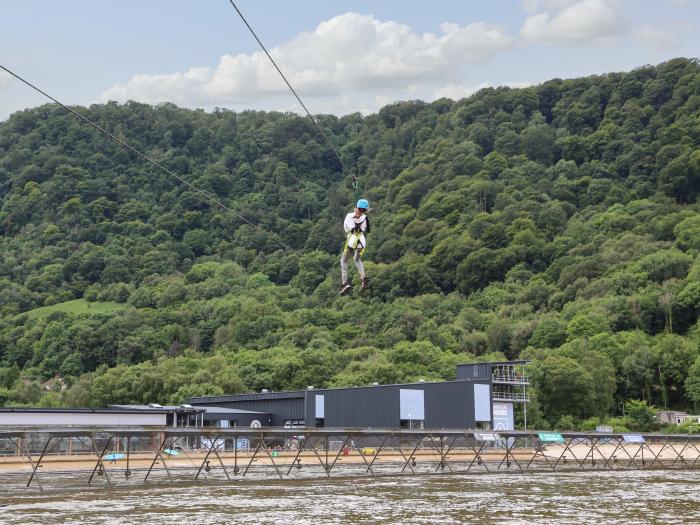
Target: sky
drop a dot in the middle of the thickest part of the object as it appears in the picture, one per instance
(341, 56)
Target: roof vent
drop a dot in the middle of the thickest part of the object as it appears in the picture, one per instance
(375, 383)
(310, 387)
(264, 391)
(154, 405)
(186, 406)
(421, 380)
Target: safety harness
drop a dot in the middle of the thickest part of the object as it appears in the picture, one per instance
(354, 236)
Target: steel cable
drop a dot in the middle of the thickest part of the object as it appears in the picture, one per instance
(289, 85)
(205, 194)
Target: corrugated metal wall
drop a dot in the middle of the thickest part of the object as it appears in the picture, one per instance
(447, 405)
(280, 409)
(241, 420)
(361, 407)
(450, 405)
(116, 419)
(474, 371)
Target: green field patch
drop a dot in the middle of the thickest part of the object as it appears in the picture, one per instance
(79, 307)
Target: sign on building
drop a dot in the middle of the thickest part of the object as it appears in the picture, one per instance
(411, 404)
(482, 402)
(320, 406)
(503, 416)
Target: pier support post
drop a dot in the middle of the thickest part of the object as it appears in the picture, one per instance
(296, 462)
(38, 463)
(374, 458)
(99, 464)
(407, 460)
(509, 454)
(159, 454)
(412, 456)
(477, 457)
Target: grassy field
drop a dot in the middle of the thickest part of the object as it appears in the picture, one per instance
(78, 307)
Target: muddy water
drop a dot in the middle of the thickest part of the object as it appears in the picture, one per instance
(576, 498)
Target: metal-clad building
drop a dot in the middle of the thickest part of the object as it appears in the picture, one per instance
(280, 408)
(81, 417)
(233, 417)
(509, 384)
(185, 416)
(447, 404)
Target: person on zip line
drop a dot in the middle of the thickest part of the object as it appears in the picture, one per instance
(356, 227)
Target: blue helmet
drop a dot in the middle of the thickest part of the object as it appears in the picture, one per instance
(363, 204)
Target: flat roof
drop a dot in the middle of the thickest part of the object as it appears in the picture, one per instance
(520, 362)
(164, 408)
(224, 410)
(199, 409)
(116, 410)
(297, 394)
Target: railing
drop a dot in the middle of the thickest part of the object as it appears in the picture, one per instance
(507, 395)
(184, 455)
(509, 377)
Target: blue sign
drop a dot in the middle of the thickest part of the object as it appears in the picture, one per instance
(633, 438)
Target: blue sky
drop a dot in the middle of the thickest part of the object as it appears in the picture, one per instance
(342, 56)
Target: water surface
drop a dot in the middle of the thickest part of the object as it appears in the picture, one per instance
(562, 498)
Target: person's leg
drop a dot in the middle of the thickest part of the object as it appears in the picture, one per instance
(360, 268)
(344, 258)
(344, 266)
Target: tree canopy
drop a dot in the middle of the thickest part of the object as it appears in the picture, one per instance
(557, 222)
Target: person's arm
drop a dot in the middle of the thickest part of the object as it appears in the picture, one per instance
(363, 224)
(349, 223)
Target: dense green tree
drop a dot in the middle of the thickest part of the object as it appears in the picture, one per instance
(557, 222)
(564, 387)
(641, 415)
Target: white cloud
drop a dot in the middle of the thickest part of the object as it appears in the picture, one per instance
(4, 79)
(657, 39)
(533, 6)
(349, 53)
(458, 91)
(585, 21)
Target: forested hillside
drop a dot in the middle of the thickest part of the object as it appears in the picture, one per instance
(558, 223)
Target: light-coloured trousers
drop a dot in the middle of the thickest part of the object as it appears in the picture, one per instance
(345, 258)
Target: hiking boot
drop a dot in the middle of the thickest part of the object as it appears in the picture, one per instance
(364, 284)
(345, 288)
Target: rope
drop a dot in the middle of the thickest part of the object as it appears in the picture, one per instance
(128, 146)
(355, 183)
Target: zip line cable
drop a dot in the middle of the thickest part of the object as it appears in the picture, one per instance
(208, 196)
(205, 194)
(128, 146)
(313, 119)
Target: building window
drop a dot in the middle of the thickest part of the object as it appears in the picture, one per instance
(294, 423)
(483, 425)
(412, 424)
(320, 422)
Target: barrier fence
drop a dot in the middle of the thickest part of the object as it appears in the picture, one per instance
(118, 456)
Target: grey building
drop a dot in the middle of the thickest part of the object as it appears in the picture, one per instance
(509, 384)
(187, 416)
(82, 417)
(482, 397)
